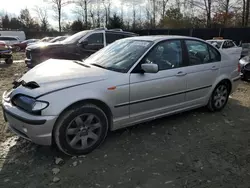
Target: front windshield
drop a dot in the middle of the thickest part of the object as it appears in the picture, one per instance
(119, 56)
(76, 37)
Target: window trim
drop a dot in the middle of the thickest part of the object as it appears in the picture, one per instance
(133, 69)
(207, 44)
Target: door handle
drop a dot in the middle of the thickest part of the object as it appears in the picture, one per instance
(181, 73)
(214, 68)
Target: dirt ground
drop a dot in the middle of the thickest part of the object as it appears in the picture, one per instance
(195, 149)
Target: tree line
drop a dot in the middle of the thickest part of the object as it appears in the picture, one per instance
(132, 15)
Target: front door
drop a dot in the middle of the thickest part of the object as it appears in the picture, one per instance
(153, 94)
(94, 42)
(203, 69)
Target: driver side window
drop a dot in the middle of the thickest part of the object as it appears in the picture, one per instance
(95, 39)
(167, 55)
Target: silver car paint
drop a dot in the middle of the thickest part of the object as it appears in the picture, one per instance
(132, 98)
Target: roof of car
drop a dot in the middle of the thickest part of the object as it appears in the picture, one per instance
(156, 38)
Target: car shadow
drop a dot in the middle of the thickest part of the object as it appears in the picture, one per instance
(27, 165)
(4, 65)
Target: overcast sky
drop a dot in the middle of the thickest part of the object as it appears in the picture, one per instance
(13, 7)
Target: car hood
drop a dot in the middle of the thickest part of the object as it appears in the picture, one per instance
(54, 74)
(43, 45)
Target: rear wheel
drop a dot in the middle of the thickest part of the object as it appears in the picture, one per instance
(219, 97)
(17, 49)
(81, 129)
(9, 61)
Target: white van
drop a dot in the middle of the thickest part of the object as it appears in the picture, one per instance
(10, 40)
(20, 34)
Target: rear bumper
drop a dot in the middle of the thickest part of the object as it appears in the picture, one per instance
(235, 83)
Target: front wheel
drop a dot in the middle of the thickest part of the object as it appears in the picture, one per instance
(219, 97)
(81, 129)
(9, 61)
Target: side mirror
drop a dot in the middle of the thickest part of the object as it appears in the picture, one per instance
(150, 68)
(84, 43)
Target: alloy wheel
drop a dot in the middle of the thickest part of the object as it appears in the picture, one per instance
(84, 131)
(220, 96)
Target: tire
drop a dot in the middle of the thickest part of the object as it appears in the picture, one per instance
(76, 131)
(17, 49)
(9, 61)
(213, 104)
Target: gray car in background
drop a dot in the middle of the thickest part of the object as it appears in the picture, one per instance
(133, 80)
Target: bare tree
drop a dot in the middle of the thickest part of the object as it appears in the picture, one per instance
(247, 9)
(57, 6)
(162, 6)
(205, 5)
(82, 10)
(107, 8)
(42, 15)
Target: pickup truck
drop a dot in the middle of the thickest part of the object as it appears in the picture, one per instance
(227, 46)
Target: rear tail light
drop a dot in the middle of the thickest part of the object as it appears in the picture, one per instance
(239, 67)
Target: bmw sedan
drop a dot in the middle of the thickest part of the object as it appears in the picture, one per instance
(75, 103)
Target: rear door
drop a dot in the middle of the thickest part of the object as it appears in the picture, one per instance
(112, 37)
(202, 70)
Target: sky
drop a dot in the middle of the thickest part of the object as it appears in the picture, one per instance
(13, 7)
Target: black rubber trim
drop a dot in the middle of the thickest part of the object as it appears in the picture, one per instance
(28, 121)
(163, 96)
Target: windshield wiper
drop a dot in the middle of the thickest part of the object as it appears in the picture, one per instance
(81, 63)
(100, 66)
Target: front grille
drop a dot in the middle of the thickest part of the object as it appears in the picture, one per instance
(28, 54)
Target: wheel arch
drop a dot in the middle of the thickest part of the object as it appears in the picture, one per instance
(102, 105)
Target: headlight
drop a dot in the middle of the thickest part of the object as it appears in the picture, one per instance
(29, 104)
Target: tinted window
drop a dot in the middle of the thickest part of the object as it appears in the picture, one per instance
(167, 55)
(96, 38)
(214, 55)
(198, 52)
(228, 44)
(112, 37)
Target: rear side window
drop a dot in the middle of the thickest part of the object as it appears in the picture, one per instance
(112, 37)
(198, 52)
(214, 54)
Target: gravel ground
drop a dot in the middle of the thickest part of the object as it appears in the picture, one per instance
(195, 149)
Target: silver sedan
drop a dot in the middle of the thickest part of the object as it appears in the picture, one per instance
(75, 103)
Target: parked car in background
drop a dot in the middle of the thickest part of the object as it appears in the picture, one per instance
(75, 47)
(9, 40)
(245, 49)
(46, 39)
(58, 39)
(20, 34)
(245, 67)
(75, 103)
(22, 45)
(5, 52)
(227, 46)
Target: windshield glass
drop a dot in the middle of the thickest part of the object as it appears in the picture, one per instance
(119, 56)
(74, 38)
